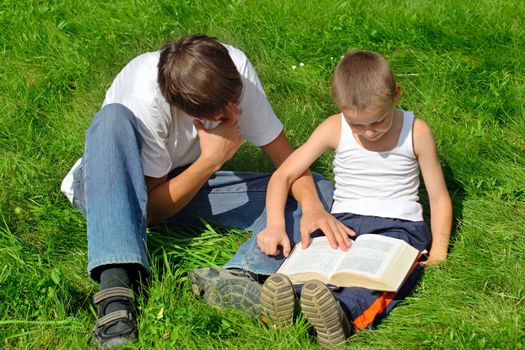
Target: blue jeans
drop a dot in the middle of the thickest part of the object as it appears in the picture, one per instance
(110, 192)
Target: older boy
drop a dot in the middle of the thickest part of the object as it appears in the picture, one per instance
(169, 122)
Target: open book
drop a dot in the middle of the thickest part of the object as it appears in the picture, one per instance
(374, 262)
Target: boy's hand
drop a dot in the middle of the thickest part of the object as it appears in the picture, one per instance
(337, 233)
(219, 144)
(270, 238)
(434, 259)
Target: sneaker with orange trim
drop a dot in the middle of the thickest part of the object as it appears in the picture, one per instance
(278, 301)
(323, 311)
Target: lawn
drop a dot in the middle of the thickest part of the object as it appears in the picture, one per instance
(461, 68)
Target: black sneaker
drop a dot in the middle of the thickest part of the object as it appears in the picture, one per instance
(322, 310)
(227, 288)
(278, 301)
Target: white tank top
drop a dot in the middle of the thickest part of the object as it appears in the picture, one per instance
(383, 184)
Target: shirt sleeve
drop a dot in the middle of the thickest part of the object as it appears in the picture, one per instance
(259, 124)
(153, 127)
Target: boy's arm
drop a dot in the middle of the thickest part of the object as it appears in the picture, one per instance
(167, 197)
(293, 172)
(440, 203)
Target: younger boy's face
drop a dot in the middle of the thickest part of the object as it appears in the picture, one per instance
(371, 124)
(375, 122)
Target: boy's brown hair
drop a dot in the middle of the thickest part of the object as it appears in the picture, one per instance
(197, 75)
(362, 80)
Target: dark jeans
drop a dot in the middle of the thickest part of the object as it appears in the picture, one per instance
(366, 307)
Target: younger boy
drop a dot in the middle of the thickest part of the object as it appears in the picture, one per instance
(378, 152)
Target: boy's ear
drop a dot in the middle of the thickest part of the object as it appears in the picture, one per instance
(397, 94)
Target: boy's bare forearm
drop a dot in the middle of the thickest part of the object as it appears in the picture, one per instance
(441, 226)
(171, 196)
(276, 197)
(304, 191)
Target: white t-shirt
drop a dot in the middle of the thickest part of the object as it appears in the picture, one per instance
(169, 138)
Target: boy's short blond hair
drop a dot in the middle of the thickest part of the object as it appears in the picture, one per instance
(362, 80)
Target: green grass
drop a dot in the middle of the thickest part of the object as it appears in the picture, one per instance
(461, 67)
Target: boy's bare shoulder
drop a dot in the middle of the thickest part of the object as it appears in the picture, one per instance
(422, 137)
(330, 125)
(327, 133)
(332, 121)
(421, 128)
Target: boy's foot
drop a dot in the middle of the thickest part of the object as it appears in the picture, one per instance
(278, 301)
(117, 327)
(226, 288)
(322, 310)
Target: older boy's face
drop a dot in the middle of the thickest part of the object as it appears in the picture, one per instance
(371, 124)
(232, 112)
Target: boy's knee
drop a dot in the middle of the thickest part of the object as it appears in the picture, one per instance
(113, 119)
(115, 114)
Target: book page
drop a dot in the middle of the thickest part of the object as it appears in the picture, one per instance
(369, 255)
(319, 257)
